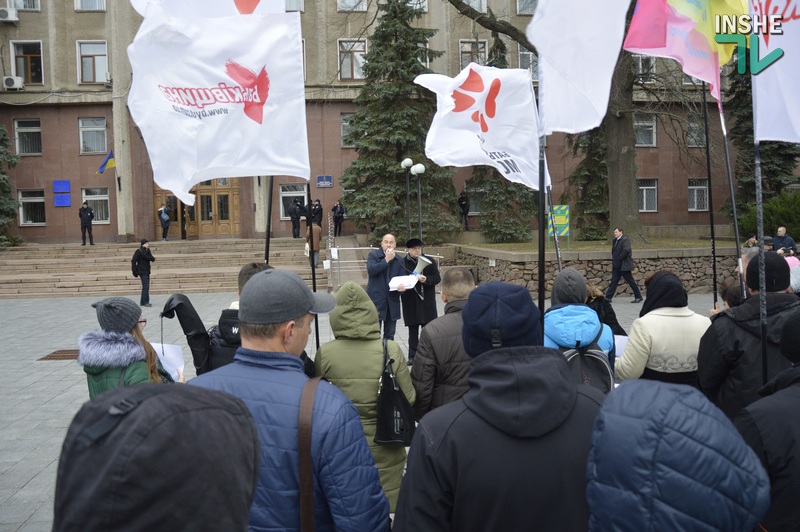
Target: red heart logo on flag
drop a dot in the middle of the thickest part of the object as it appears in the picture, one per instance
(246, 7)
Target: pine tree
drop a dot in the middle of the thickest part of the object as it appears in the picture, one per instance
(391, 124)
(590, 178)
(8, 204)
(507, 208)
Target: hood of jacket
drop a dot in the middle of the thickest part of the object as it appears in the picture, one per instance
(571, 325)
(228, 326)
(747, 317)
(355, 316)
(522, 391)
(782, 380)
(100, 349)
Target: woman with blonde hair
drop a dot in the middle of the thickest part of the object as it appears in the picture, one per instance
(118, 355)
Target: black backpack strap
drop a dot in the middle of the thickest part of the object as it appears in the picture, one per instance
(593, 342)
(116, 412)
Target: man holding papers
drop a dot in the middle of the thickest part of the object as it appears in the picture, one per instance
(382, 265)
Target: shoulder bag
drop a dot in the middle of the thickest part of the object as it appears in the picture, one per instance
(394, 425)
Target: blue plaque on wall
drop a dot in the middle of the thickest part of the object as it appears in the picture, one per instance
(324, 181)
(62, 200)
(61, 186)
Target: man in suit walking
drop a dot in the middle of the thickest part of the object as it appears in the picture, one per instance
(622, 265)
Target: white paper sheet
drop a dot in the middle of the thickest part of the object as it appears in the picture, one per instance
(408, 281)
(171, 357)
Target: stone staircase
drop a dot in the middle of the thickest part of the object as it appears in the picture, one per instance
(58, 270)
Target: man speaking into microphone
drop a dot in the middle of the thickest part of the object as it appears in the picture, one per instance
(382, 266)
(419, 303)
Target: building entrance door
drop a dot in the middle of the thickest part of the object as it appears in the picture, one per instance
(216, 211)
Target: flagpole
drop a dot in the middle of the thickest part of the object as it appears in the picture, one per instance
(310, 225)
(269, 218)
(735, 216)
(762, 283)
(542, 229)
(710, 199)
(555, 229)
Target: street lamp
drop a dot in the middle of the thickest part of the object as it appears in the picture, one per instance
(407, 165)
(417, 170)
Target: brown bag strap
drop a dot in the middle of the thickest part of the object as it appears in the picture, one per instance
(304, 455)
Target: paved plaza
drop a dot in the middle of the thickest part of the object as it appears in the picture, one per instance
(40, 398)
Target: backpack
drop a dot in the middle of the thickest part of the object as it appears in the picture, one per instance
(589, 365)
(164, 216)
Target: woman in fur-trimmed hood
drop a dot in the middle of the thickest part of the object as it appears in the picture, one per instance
(118, 355)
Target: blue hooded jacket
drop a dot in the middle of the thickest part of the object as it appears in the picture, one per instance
(569, 326)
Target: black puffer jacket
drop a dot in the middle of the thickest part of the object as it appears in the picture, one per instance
(729, 358)
(771, 427)
(224, 338)
(141, 260)
(441, 365)
(511, 454)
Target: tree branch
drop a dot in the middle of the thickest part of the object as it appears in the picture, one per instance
(490, 23)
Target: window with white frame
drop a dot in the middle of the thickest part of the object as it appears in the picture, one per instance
(529, 61)
(472, 52)
(526, 7)
(346, 129)
(475, 196)
(294, 5)
(691, 80)
(422, 5)
(28, 61)
(695, 134)
(648, 195)
(645, 68)
(93, 61)
(97, 198)
(25, 5)
(698, 194)
(289, 193)
(351, 5)
(93, 135)
(31, 207)
(351, 59)
(644, 128)
(90, 5)
(28, 132)
(423, 56)
(478, 5)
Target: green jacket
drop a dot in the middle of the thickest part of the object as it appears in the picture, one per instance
(354, 363)
(104, 355)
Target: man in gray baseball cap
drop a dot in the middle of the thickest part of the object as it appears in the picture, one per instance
(275, 312)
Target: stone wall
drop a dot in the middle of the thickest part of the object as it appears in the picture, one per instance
(693, 266)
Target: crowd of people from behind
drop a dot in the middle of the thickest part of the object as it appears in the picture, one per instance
(511, 434)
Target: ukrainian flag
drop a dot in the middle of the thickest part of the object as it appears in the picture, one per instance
(108, 162)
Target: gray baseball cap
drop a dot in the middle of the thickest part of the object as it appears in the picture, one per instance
(277, 296)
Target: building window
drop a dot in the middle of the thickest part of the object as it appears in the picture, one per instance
(644, 127)
(691, 80)
(29, 136)
(90, 5)
(648, 195)
(294, 5)
(97, 198)
(645, 68)
(93, 62)
(478, 5)
(93, 135)
(346, 129)
(526, 7)
(695, 134)
(472, 52)
(422, 5)
(423, 55)
(351, 5)
(529, 61)
(31, 207)
(351, 59)
(28, 61)
(289, 193)
(698, 194)
(475, 196)
(25, 5)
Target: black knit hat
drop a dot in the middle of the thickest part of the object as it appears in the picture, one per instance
(143, 241)
(776, 272)
(118, 314)
(158, 457)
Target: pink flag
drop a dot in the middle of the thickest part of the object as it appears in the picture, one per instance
(212, 8)
(648, 27)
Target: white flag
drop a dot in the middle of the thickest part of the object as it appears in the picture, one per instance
(485, 116)
(219, 98)
(578, 42)
(194, 9)
(776, 89)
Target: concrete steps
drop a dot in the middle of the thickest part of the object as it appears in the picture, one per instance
(41, 270)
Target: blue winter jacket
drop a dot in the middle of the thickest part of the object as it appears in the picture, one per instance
(575, 326)
(347, 491)
(664, 458)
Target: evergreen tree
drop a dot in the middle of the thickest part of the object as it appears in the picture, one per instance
(778, 159)
(590, 178)
(391, 124)
(8, 203)
(507, 208)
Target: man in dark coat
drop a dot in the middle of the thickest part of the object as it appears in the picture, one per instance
(771, 427)
(164, 219)
(783, 244)
(622, 266)
(463, 205)
(382, 266)
(441, 365)
(729, 357)
(140, 266)
(314, 213)
(86, 214)
(510, 454)
(295, 213)
(419, 303)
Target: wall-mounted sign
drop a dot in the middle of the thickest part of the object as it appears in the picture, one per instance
(61, 185)
(324, 181)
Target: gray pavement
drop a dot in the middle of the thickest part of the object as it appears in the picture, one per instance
(39, 398)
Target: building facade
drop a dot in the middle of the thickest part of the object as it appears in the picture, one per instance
(66, 78)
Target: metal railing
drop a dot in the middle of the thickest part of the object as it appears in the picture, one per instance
(350, 264)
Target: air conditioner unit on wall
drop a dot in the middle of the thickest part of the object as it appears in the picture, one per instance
(13, 82)
(8, 14)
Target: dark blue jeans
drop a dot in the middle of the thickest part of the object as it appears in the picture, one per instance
(389, 327)
(145, 299)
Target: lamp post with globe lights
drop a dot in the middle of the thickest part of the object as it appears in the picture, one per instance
(407, 165)
(417, 170)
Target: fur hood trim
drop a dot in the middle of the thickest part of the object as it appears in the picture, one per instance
(109, 349)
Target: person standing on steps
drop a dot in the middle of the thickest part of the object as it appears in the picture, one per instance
(295, 213)
(163, 217)
(338, 217)
(622, 266)
(86, 214)
(140, 265)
